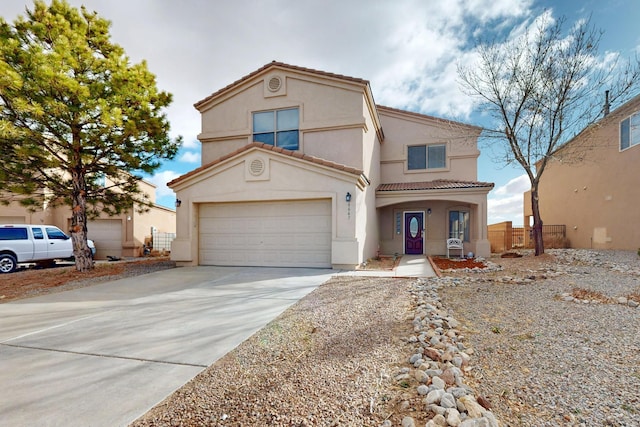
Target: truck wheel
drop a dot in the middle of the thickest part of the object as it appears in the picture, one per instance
(8, 263)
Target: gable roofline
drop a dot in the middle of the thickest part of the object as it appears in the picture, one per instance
(277, 64)
(613, 115)
(266, 147)
(385, 109)
(364, 84)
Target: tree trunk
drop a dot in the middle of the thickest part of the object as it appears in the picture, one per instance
(537, 221)
(81, 250)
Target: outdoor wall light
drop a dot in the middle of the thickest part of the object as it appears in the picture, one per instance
(429, 211)
(178, 203)
(348, 197)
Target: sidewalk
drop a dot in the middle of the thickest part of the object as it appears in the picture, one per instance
(409, 266)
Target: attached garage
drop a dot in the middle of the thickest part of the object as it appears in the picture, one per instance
(107, 235)
(293, 233)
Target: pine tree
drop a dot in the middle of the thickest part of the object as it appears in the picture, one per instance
(74, 115)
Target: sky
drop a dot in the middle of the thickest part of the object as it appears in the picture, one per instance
(407, 49)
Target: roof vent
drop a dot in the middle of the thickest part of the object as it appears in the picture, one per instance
(275, 83)
(256, 167)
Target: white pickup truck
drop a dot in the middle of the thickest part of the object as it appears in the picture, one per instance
(26, 243)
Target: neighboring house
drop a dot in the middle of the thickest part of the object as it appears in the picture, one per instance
(591, 184)
(302, 168)
(119, 236)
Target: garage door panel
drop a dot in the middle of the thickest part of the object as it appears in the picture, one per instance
(287, 233)
(107, 235)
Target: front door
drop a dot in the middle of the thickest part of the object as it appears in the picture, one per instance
(413, 233)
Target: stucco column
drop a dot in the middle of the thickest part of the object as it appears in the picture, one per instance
(483, 246)
(182, 247)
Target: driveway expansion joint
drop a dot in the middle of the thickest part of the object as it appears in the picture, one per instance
(108, 356)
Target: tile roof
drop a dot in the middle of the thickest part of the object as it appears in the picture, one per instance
(281, 65)
(267, 147)
(439, 184)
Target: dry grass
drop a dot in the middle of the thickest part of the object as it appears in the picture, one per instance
(381, 263)
(634, 297)
(585, 294)
(552, 242)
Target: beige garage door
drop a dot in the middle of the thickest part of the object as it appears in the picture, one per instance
(270, 234)
(107, 235)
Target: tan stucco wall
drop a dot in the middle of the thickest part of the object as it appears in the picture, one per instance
(403, 130)
(331, 120)
(148, 189)
(14, 209)
(344, 146)
(368, 229)
(596, 197)
(285, 178)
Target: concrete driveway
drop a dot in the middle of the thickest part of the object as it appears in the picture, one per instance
(106, 354)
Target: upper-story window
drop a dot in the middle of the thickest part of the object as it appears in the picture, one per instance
(426, 156)
(630, 131)
(278, 127)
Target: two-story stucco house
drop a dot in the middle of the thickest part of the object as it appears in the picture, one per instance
(301, 168)
(591, 183)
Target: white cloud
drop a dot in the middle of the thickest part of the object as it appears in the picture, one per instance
(190, 157)
(519, 185)
(161, 179)
(407, 48)
(505, 203)
(424, 46)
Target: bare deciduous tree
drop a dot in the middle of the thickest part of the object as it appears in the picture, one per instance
(542, 86)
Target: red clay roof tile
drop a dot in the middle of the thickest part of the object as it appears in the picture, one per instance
(439, 184)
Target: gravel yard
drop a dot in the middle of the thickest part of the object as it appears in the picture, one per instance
(545, 358)
(508, 345)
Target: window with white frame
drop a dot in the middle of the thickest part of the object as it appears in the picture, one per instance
(630, 131)
(277, 127)
(459, 225)
(420, 157)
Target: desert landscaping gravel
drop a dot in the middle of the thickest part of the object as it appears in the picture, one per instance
(546, 358)
(531, 341)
